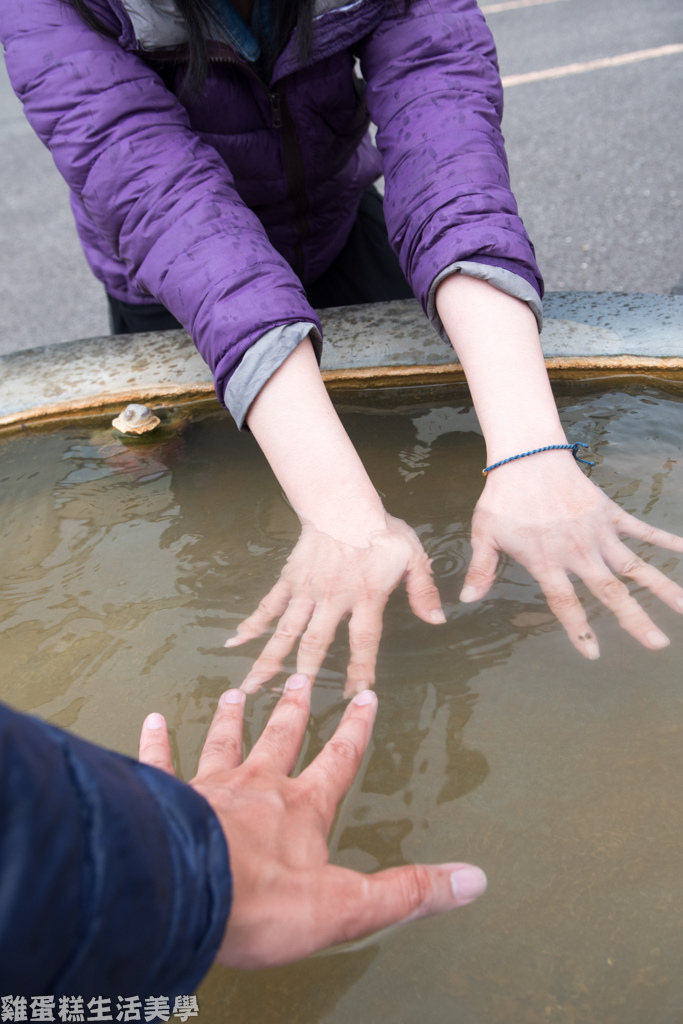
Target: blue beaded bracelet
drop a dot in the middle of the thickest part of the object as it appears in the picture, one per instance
(573, 448)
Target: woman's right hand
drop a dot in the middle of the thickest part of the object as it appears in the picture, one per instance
(323, 581)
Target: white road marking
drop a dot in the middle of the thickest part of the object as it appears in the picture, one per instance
(513, 5)
(592, 65)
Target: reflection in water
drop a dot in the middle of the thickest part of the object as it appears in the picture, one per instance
(127, 562)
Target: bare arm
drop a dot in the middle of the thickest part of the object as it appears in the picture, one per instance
(310, 453)
(497, 342)
(351, 553)
(543, 510)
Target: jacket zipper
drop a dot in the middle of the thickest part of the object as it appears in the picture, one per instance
(276, 109)
(294, 171)
(281, 119)
(292, 156)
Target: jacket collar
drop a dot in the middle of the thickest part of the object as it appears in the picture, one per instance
(158, 24)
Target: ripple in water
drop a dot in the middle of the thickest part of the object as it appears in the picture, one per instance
(126, 564)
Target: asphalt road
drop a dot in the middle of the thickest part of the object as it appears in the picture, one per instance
(595, 159)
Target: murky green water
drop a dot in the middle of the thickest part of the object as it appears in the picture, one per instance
(126, 563)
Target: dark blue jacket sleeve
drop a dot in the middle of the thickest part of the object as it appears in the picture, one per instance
(114, 877)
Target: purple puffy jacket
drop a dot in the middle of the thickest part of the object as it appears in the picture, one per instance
(220, 207)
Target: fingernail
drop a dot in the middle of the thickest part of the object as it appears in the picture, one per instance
(154, 721)
(657, 639)
(592, 651)
(231, 697)
(437, 617)
(364, 697)
(296, 682)
(233, 641)
(467, 884)
(468, 593)
(679, 603)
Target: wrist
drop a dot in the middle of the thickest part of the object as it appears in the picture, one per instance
(311, 454)
(516, 442)
(496, 338)
(545, 473)
(351, 522)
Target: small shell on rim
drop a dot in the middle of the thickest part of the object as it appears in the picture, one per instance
(135, 419)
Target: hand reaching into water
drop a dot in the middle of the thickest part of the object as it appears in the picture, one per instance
(323, 581)
(547, 515)
(350, 555)
(542, 510)
(288, 900)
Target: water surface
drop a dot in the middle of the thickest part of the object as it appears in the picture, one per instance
(126, 564)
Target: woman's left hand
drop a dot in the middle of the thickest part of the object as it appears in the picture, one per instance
(545, 513)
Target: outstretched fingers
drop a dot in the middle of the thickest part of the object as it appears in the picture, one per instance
(481, 573)
(329, 777)
(623, 561)
(365, 632)
(271, 659)
(632, 527)
(317, 637)
(155, 748)
(279, 745)
(631, 617)
(271, 607)
(223, 745)
(566, 607)
(422, 592)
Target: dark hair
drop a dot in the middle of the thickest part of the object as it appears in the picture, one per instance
(199, 14)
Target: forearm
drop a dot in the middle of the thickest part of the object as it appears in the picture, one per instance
(496, 339)
(310, 453)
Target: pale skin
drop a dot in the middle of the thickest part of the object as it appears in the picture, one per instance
(543, 510)
(288, 900)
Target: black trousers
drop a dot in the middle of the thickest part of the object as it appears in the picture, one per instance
(366, 270)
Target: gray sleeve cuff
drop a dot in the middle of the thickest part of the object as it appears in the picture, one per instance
(500, 278)
(260, 362)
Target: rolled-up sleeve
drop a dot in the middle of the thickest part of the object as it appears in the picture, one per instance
(261, 361)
